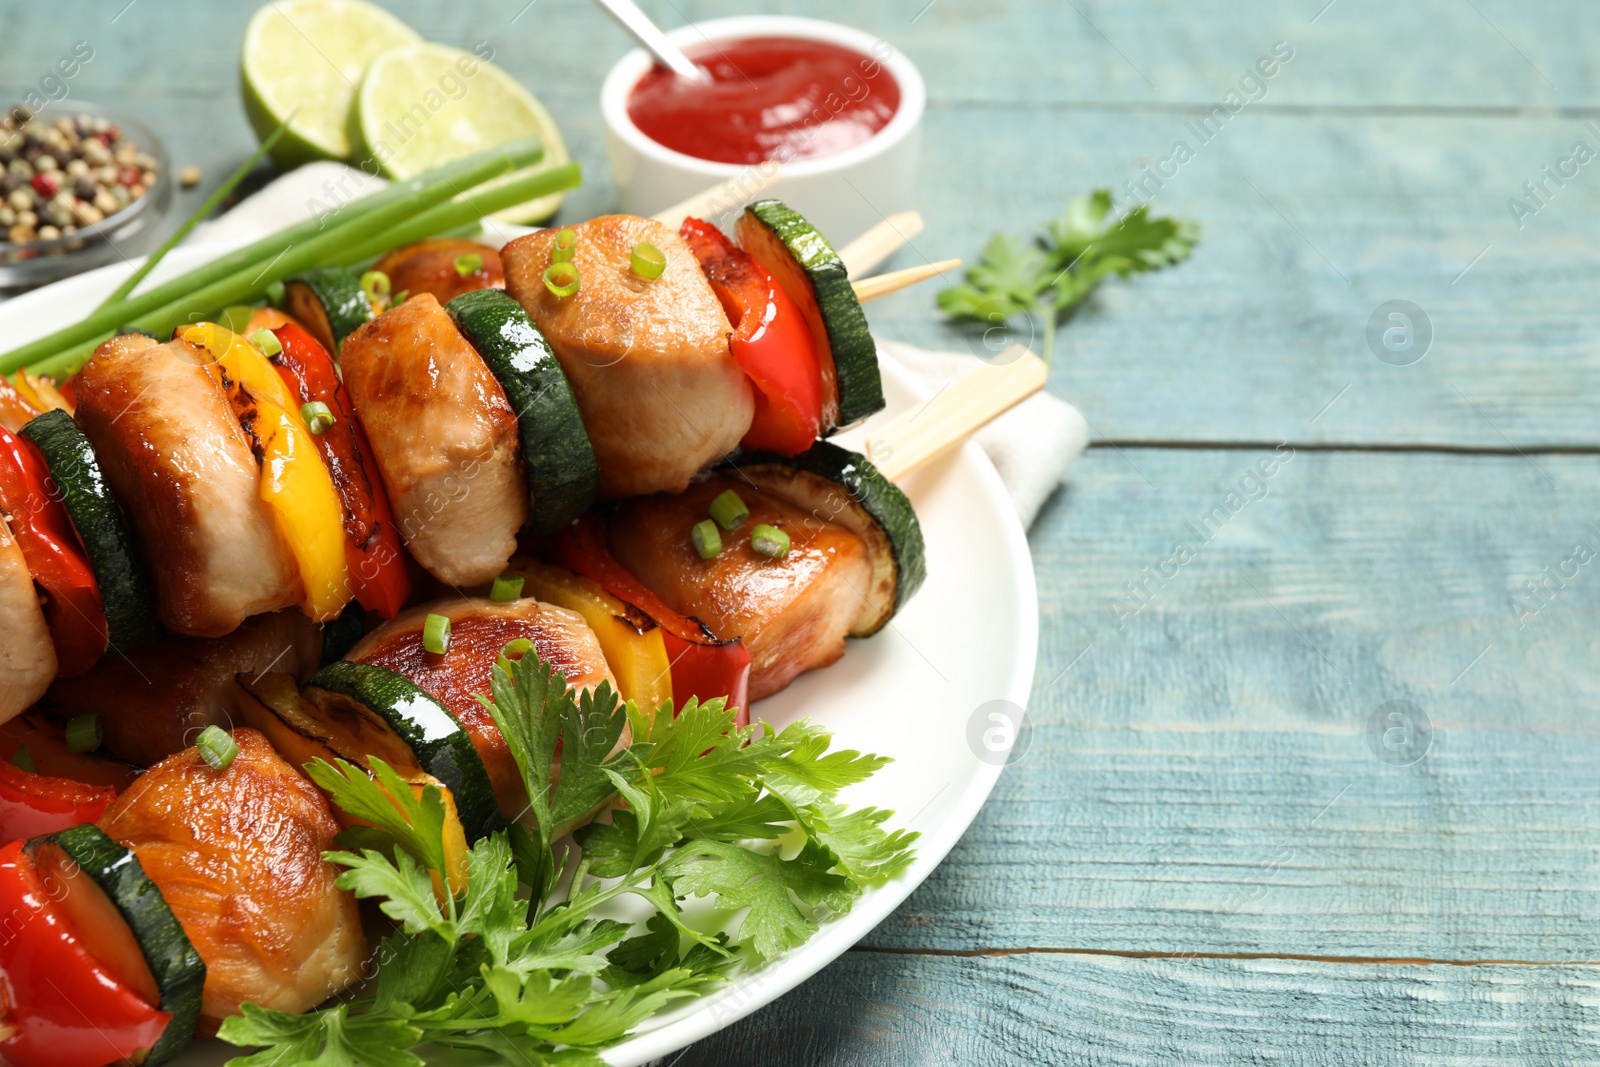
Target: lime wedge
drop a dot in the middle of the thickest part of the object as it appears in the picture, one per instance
(423, 105)
(310, 55)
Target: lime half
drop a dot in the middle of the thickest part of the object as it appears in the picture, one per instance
(425, 105)
(306, 57)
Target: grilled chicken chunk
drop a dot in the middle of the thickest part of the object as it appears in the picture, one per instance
(434, 266)
(793, 613)
(155, 701)
(27, 656)
(177, 459)
(648, 360)
(238, 855)
(445, 439)
(479, 629)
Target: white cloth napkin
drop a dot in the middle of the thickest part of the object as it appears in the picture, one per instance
(1032, 445)
(303, 193)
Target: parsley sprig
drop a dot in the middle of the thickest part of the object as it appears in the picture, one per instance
(698, 807)
(1047, 278)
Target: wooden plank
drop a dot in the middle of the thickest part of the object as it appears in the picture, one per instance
(1310, 224)
(1203, 778)
(873, 1009)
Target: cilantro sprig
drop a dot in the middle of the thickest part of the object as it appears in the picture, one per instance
(1047, 278)
(518, 963)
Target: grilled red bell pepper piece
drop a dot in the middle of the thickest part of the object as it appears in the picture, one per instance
(33, 804)
(372, 544)
(59, 1005)
(48, 753)
(703, 665)
(55, 557)
(61, 788)
(68, 388)
(771, 343)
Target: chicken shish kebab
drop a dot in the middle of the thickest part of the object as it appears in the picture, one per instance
(210, 886)
(202, 887)
(220, 476)
(384, 590)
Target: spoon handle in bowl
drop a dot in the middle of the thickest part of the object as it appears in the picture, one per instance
(629, 16)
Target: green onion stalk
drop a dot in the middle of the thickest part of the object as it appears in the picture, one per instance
(131, 282)
(326, 248)
(454, 214)
(248, 270)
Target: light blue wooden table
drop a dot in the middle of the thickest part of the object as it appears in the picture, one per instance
(1208, 856)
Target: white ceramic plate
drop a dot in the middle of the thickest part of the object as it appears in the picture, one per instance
(911, 692)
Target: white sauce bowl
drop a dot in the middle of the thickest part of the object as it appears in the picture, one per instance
(842, 194)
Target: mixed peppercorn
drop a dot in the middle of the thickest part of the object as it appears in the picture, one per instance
(67, 173)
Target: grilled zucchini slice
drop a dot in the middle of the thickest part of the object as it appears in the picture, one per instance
(127, 923)
(563, 476)
(302, 732)
(437, 740)
(843, 487)
(330, 303)
(124, 583)
(811, 272)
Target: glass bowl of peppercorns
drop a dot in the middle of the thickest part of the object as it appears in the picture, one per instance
(80, 186)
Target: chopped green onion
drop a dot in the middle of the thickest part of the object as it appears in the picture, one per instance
(275, 292)
(85, 732)
(21, 759)
(506, 588)
(707, 541)
(436, 634)
(375, 284)
(217, 747)
(400, 298)
(317, 417)
(729, 510)
(562, 278)
(561, 251)
(267, 341)
(470, 263)
(518, 648)
(648, 261)
(769, 541)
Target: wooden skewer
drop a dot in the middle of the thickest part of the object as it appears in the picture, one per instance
(735, 192)
(952, 416)
(880, 242)
(865, 252)
(896, 280)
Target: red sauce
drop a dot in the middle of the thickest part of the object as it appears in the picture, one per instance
(778, 98)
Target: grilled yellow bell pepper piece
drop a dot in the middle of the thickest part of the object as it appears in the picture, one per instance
(632, 643)
(295, 482)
